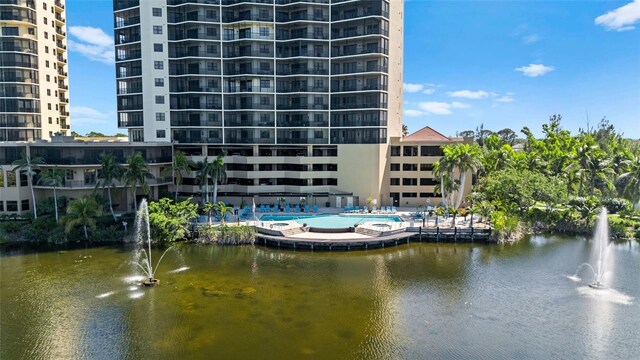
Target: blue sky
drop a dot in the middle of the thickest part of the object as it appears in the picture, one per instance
(501, 63)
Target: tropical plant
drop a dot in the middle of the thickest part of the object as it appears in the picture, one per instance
(463, 158)
(218, 174)
(170, 220)
(209, 208)
(202, 177)
(180, 165)
(136, 174)
(82, 212)
(54, 178)
(223, 210)
(631, 178)
(110, 171)
(29, 165)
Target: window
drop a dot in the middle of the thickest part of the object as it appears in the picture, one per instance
(264, 48)
(44, 6)
(31, 31)
(212, 32)
(431, 151)
(428, 182)
(45, 21)
(264, 100)
(395, 181)
(210, 14)
(159, 116)
(264, 67)
(426, 167)
(157, 47)
(24, 204)
(265, 84)
(425, 195)
(409, 181)
(263, 14)
(10, 31)
(46, 63)
(409, 195)
(157, 29)
(1, 182)
(264, 31)
(46, 49)
(49, 106)
(211, 49)
(158, 65)
(159, 99)
(159, 82)
(48, 78)
(410, 167)
(395, 151)
(1, 206)
(395, 167)
(46, 35)
(12, 206)
(410, 151)
(50, 120)
(160, 134)
(48, 92)
(156, 11)
(11, 179)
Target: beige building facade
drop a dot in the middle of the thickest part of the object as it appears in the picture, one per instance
(34, 89)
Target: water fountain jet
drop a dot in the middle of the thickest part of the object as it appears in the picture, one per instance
(599, 252)
(142, 256)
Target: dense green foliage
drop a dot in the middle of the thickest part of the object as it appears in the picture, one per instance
(557, 182)
(169, 220)
(226, 235)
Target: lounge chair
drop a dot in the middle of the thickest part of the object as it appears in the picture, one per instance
(315, 208)
(287, 208)
(307, 208)
(393, 210)
(297, 208)
(374, 210)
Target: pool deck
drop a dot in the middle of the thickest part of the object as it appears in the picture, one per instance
(358, 241)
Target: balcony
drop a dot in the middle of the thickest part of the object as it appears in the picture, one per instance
(357, 69)
(360, 51)
(60, 19)
(61, 59)
(361, 32)
(359, 13)
(59, 4)
(294, 89)
(61, 72)
(130, 123)
(63, 99)
(248, 71)
(303, 107)
(247, 16)
(61, 45)
(302, 71)
(283, 18)
(247, 53)
(248, 35)
(249, 106)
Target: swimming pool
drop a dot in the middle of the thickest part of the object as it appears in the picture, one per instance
(331, 221)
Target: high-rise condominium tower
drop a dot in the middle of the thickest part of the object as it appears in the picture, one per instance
(302, 95)
(34, 101)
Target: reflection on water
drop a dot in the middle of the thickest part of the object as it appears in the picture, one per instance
(413, 301)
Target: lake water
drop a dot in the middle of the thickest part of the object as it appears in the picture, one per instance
(416, 301)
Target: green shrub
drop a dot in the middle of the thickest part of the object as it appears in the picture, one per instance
(226, 234)
(11, 227)
(616, 205)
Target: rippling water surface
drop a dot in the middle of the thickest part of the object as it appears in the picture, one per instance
(415, 301)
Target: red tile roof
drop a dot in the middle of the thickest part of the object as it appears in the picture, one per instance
(426, 134)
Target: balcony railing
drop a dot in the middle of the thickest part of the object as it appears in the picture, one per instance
(248, 35)
(248, 71)
(359, 69)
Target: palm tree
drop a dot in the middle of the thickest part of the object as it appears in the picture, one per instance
(464, 158)
(218, 174)
(223, 210)
(81, 212)
(30, 165)
(54, 178)
(632, 179)
(109, 172)
(208, 208)
(202, 176)
(137, 174)
(181, 164)
(443, 169)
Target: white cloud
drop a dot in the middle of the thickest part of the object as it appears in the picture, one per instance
(505, 99)
(533, 70)
(84, 115)
(468, 94)
(93, 43)
(411, 112)
(440, 108)
(531, 39)
(459, 105)
(622, 18)
(412, 88)
(428, 91)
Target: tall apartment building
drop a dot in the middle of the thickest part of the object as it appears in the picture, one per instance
(34, 97)
(302, 95)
